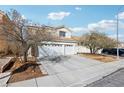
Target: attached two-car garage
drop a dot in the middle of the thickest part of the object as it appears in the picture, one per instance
(57, 48)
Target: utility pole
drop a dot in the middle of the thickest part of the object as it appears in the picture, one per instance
(117, 37)
(117, 32)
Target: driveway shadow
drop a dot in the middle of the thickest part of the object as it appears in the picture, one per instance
(54, 59)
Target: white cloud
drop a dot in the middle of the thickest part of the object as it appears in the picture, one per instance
(58, 15)
(114, 36)
(78, 8)
(120, 15)
(93, 26)
(103, 25)
(78, 29)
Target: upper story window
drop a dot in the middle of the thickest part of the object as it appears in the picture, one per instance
(62, 34)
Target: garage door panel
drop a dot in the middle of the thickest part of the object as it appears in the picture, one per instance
(69, 50)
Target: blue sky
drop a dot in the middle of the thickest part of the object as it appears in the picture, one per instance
(80, 19)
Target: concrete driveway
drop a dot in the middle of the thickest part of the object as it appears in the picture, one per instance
(71, 71)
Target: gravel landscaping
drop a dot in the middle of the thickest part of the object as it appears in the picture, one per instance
(99, 57)
(23, 71)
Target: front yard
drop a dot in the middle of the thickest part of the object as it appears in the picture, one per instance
(21, 71)
(99, 57)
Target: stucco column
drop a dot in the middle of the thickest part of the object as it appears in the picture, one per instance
(63, 46)
(74, 48)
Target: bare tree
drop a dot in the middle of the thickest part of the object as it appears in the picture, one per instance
(96, 41)
(39, 35)
(17, 31)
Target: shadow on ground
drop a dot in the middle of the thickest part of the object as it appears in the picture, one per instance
(54, 59)
(25, 67)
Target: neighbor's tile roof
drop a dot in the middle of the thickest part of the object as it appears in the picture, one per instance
(72, 39)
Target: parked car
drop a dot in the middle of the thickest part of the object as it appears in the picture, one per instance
(113, 51)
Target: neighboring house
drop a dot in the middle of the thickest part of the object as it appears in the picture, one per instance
(4, 23)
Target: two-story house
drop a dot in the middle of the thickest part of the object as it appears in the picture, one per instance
(62, 44)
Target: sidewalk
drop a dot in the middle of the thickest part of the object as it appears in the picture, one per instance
(115, 79)
(74, 71)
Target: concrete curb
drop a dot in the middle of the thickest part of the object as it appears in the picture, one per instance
(98, 76)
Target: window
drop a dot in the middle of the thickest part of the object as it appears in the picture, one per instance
(62, 34)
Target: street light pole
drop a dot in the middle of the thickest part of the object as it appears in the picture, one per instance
(118, 31)
(117, 37)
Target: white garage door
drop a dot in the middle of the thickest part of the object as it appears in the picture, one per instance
(69, 50)
(55, 50)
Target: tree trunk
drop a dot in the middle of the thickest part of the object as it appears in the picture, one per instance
(25, 51)
(94, 50)
(91, 50)
(25, 56)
